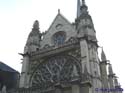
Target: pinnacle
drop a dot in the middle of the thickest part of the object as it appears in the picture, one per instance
(36, 25)
(103, 56)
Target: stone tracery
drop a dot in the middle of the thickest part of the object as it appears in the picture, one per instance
(56, 70)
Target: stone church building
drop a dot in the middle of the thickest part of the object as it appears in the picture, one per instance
(64, 59)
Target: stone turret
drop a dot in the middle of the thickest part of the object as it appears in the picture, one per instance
(84, 8)
(88, 44)
(33, 41)
(84, 23)
(32, 44)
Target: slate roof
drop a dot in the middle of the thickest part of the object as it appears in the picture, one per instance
(4, 67)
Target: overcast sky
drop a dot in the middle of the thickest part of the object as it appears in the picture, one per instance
(17, 17)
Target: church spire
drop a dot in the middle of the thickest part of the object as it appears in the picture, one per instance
(78, 8)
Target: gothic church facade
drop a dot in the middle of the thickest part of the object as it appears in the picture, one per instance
(64, 59)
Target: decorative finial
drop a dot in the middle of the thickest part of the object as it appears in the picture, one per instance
(36, 25)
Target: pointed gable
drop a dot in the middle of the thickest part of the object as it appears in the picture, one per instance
(60, 23)
(59, 19)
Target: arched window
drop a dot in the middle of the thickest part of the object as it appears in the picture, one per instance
(59, 38)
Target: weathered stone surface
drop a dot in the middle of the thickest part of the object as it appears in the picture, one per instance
(64, 59)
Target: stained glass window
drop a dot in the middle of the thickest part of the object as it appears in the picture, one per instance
(59, 38)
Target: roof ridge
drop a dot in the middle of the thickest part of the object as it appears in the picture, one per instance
(5, 67)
